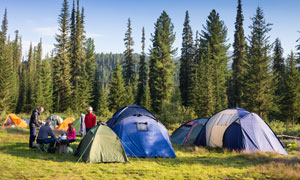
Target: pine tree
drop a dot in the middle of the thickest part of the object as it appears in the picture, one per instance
(22, 89)
(258, 90)
(278, 72)
(187, 63)
(143, 73)
(5, 66)
(214, 35)
(38, 87)
(29, 81)
(161, 65)
(61, 63)
(96, 87)
(146, 101)
(102, 109)
(91, 68)
(130, 97)
(117, 93)
(47, 84)
(195, 68)
(239, 61)
(81, 85)
(203, 90)
(16, 61)
(129, 64)
(85, 86)
(291, 95)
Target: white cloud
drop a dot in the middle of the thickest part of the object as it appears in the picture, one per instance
(94, 35)
(46, 31)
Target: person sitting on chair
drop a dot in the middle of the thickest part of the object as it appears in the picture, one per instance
(71, 134)
(42, 138)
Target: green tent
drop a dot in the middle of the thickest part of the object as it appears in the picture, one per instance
(101, 144)
(77, 126)
(79, 131)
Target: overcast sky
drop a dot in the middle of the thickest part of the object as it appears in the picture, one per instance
(106, 19)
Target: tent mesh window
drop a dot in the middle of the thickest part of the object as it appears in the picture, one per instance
(142, 126)
(9, 121)
(224, 119)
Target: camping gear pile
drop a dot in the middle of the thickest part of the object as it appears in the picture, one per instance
(64, 125)
(54, 121)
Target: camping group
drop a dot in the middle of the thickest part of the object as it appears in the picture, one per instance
(134, 131)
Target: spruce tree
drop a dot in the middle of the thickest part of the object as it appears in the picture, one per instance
(278, 72)
(129, 64)
(96, 87)
(85, 82)
(146, 101)
(258, 91)
(5, 66)
(38, 95)
(130, 96)
(203, 90)
(161, 65)
(16, 63)
(22, 89)
(143, 73)
(47, 83)
(29, 81)
(61, 63)
(102, 109)
(239, 61)
(291, 95)
(214, 35)
(91, 68)
(117, 94)
(81, 86)
(187, 63)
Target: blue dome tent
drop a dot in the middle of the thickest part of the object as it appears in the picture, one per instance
(238, 129)
(141, 134)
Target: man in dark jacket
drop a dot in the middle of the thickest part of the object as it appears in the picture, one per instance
(33, 124)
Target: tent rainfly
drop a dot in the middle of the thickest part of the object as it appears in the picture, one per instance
(101, 145)
(13, 120)
(238, 129)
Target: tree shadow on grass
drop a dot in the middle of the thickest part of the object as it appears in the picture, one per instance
(19, 149)
(15, 130)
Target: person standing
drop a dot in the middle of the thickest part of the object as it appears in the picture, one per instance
(89, 120)
(33, 124)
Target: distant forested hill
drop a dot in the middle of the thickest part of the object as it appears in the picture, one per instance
(107, 61)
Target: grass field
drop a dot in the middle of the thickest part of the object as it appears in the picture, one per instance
(17, 161)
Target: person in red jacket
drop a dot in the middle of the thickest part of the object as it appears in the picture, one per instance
(90, 119)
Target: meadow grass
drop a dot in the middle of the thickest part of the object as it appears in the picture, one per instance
(17, 161)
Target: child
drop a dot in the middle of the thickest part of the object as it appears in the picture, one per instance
(71, 134)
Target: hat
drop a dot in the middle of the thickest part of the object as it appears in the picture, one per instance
(90, 109)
